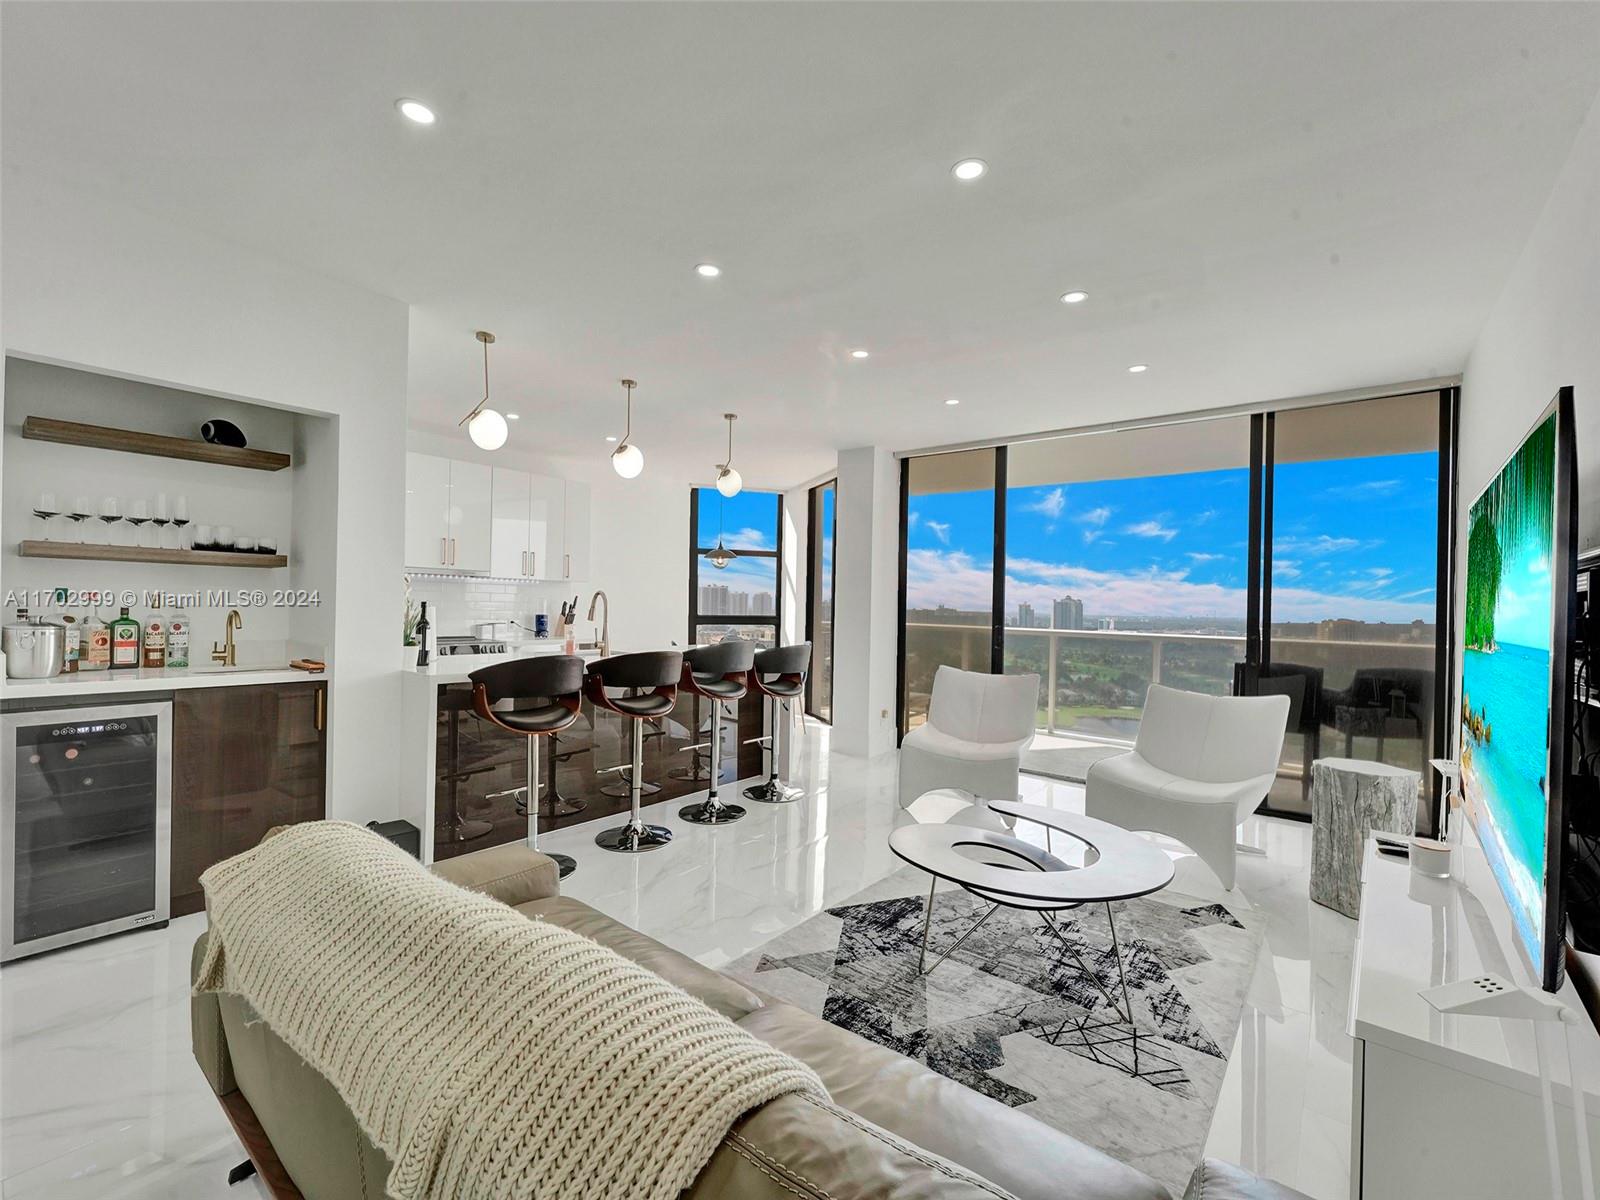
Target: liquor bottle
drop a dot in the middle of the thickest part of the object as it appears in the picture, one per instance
(72, 648)
(96, 642)
(155, 640)
(125, 642)
(422, 636)
(178, 639)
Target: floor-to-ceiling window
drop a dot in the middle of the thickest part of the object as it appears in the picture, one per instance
(949, 562)
(819, 607)
(734, 594)
(1298, 552)
(1125, 565)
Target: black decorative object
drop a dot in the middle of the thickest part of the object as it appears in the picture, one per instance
(222, 433)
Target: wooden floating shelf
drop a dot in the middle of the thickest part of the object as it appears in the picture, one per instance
(150, 554)
(103, 437)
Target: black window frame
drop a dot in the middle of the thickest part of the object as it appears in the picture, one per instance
(813, 559)
(696, 557)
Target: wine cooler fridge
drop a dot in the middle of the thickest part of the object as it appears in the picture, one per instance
(85, 823)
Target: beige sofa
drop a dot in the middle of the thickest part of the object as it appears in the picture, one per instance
(896, 1132)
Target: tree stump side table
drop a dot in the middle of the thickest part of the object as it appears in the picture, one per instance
(1349, 799)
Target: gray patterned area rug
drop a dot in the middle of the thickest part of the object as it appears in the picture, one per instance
(1014, 1013)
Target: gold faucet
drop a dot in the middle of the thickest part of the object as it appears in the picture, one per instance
(224, 654)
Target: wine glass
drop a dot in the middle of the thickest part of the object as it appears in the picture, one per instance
(138, 514)
(110, 513)
(78, 514)
(161, 518)
(45, 508)
(180, 518)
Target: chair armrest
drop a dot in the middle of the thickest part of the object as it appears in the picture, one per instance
(206, 1037)
(512, 874)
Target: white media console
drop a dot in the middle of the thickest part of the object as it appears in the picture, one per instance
(1445, 1105)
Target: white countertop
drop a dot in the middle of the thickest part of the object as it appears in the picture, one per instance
(94, 683)
(454, 668)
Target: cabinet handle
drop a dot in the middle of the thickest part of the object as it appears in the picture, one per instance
(533, 562)
(322, 708)
(444, 552)
(566, 566)
(452, 552)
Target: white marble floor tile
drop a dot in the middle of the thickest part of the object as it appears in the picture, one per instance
(99, 1096)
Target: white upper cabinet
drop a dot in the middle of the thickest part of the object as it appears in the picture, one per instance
(508, 536)
(464, 516)
(470, 506)
(575, 542)
(546, 526)
(427, 512)
(447, 514)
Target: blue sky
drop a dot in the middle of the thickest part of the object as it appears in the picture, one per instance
(1353, 538)
(1522, 613)
(749, 521)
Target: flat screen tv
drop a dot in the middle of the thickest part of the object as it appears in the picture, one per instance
(1516, 677)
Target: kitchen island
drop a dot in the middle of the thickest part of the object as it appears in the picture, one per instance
(454, 763)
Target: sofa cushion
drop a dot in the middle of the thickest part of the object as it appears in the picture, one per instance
(727, 996)
(1011, 1149)
(1218, 1180)
(936, 741)
(512, 874)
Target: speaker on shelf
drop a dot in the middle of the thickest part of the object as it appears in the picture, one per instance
(222, 433)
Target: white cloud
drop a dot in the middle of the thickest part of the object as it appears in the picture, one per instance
(940, 530)
(1090, 536)
(747, 539)
(1151, 529)
(1200, 557)
(1285, 568)
(1205, 517)
(1380, 572)
(912, 518)
(1368, 490)
(952, 577)
(1093, 516)
(1321, 544)
(1050, 504)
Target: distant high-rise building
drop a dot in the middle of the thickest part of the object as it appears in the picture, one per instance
(1025, 615)
(1067, 613)
(762, 605)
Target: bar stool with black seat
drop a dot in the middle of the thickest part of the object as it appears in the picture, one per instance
(719, 673)
(779, 676)
(638, 688)
(549, 691)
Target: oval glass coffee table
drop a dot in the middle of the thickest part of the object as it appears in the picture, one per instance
(995, 865)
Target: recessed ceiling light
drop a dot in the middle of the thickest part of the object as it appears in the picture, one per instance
(858, 353)
(513, 416)
(1074, 297)
(611, 437)
(1137, 369)
(415, 110)
(969, 169)
(952, 401)
(708, 270)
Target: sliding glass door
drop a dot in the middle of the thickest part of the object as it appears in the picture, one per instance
(819, 609)
(1350, 601)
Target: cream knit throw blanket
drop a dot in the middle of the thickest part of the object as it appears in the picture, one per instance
(487, 1054)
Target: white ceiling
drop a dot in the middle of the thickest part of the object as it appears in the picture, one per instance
(1262, 200)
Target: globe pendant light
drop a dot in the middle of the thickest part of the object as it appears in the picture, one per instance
(627, 459)
(721, 556)
(728, 480)
(486, 427)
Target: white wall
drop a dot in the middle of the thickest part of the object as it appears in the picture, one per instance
(94, 283)
(866, 601)
(1543, 333)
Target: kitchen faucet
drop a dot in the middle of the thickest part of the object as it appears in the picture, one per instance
(224, 654)
(604, 644)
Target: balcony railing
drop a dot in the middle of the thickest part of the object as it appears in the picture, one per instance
(1117, 665)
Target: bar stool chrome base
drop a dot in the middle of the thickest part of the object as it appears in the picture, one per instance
(565, 863)
(711, 811)
(772, 792)
(467, 831)
(633, 838)
(622, 790)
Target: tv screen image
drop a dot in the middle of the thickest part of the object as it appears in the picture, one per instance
(1513, 708)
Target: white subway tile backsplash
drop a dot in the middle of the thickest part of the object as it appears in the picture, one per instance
(456, 604)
